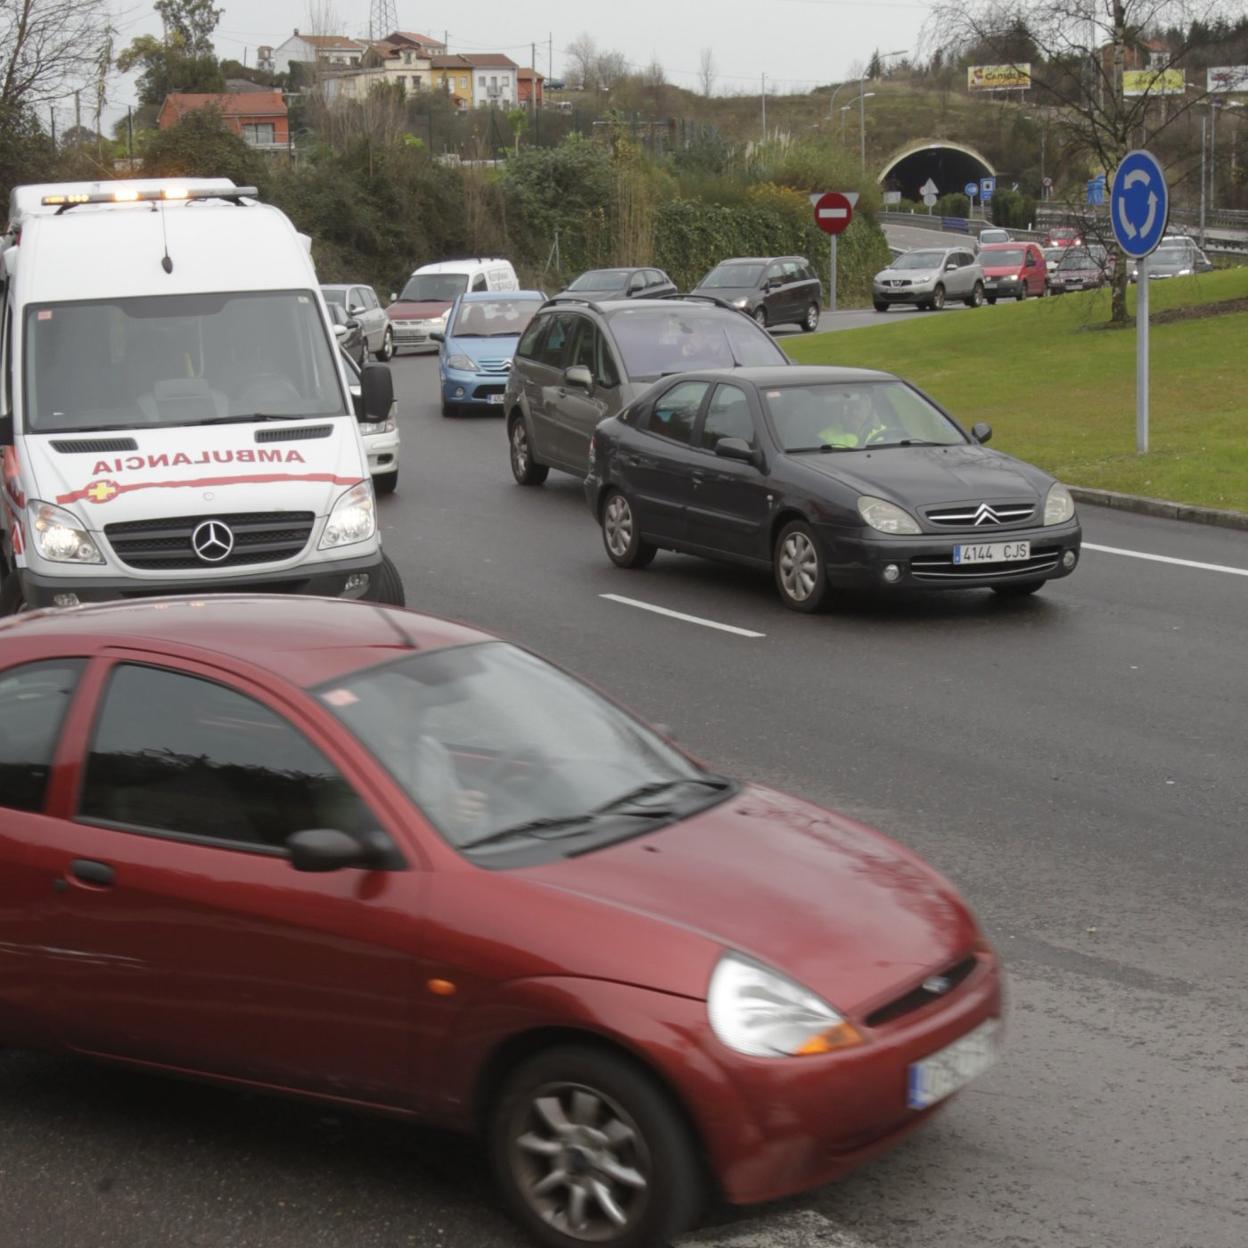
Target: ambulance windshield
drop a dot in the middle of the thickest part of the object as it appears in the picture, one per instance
(177, 360)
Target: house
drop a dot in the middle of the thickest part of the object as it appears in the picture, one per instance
(258, 117)
(327, 51)
(495, 79)
(530, 88)
(421, 45)
(1151, 54)
(453, 74)
(402, 59)
(264, 59)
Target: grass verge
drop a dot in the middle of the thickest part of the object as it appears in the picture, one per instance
(1064, 398)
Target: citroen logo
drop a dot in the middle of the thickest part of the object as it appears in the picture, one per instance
(212, 541)
(986, 515)
(506, 366)
(937, 985)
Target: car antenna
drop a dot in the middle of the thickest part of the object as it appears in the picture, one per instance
(166, 261)
(408, 641)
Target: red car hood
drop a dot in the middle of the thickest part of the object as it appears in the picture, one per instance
(834, 905)
(428, 311)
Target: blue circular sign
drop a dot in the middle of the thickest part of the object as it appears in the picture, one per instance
(972, 189)
(1139, 205)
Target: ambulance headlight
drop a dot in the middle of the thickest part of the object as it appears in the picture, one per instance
(58, 537)
(353, 518)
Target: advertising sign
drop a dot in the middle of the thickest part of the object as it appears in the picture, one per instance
(1227, 79)
(1153, 82)
(998, 77)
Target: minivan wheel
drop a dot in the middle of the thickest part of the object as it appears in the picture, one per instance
(1022, 290)
(760, 316)
(525, 469)
(937, 301)
(881, 307)
(977, 296)
(801, 578)
(810, 322)
(588, 1149)
(621, 534)
(387, 346)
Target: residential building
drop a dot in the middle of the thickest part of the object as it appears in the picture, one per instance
(530, 87)
(328, 51)
(420, 45)
(453, 74)
(495, 84)
(258, 118)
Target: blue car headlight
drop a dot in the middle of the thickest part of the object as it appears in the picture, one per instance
(461, 363)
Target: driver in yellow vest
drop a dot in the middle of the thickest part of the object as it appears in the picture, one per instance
(853, 422)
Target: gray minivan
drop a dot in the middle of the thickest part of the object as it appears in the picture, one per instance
(579, 362)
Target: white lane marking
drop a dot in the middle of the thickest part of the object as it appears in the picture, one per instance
(803, 1228)
(680, 615)
(1183, 563)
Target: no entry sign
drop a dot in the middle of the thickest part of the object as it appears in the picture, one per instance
(834, 212)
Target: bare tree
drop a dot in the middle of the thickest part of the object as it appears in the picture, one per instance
(609, 68)
(706, 71)
(582, 53)
(1079, 50)
(47, 47)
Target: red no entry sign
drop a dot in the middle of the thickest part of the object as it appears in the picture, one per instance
(833, 212)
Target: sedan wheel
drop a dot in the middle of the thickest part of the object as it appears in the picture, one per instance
(800, 574)
(387, 346)
(525, 469)
(589, 1150)
(810, 322)
(621, 536)
(760, 317)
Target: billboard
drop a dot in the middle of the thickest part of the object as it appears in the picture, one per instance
(998, 77)
(1227, 78)
(1153, 82)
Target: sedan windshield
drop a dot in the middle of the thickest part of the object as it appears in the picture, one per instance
(848, 416)
(501, 750)
(1077, 258)
(177, 360)
(434, 287)
(1004, 259)
(733, 277)
(501, 318)
(659, 341)
(919, 260)
(602, 279)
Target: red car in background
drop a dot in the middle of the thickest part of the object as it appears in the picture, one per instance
(379, 859)
(1062, 236)
(1013, 271)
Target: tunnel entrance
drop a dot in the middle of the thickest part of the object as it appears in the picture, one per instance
(950, 165)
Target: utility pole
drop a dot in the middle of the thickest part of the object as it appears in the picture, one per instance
(130, 134)
(533, 80)
(862, 121)
(1202, 182)
(78, 114)
(52, 119)
(764, 99)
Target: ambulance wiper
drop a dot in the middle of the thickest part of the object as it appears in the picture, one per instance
(242, 420)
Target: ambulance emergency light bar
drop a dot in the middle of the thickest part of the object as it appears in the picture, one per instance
(131, 195)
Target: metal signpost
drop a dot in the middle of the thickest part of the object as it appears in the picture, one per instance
(930, 192)
(834, 210)
(971, 190)
(987, 188)
(1139, 208)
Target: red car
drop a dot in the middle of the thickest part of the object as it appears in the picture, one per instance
(1013, 271)
(1062, 236)
(386, 861)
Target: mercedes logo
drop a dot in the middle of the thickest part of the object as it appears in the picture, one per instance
(212, 541)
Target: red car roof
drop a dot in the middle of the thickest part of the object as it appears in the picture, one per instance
(303, 640)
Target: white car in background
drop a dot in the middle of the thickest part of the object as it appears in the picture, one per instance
(381, 437)
(361, 304)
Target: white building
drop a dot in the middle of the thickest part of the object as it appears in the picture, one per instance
(331, 51)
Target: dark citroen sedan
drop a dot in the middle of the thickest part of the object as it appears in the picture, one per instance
(387, 862)
(831, 477)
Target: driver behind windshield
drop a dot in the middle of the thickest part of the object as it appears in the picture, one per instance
(827, 415)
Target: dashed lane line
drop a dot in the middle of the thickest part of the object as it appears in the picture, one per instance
(680, 615)
(1183, 563)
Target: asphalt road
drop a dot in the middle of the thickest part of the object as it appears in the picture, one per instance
(1074, 762)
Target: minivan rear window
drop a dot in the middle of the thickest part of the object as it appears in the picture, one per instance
(658, 341)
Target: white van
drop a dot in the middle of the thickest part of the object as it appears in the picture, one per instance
(174, 415)
(420, 308)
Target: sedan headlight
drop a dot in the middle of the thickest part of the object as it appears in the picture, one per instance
(759, 1012)
(461, 362)
(886, 517)
(58, 536)
(1058, 504)
(353, 518)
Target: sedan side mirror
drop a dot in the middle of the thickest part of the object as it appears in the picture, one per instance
(735, 448)
(982, 432)
(578, 375)
(437, 336)
(953, 264)
(325, 849)
(377, 387)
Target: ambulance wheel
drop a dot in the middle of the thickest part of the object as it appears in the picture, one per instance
(12, 600)
(386, 482)
(390, 585)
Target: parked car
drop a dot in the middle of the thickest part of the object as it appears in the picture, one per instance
(362, 304)
(580, 363)
(994, 235)
(831, 478)
(1052, 257)
(1013, 271)
(420, 308)
(475, 354)
(621, 284)
(638, 980)
(773, 290)
(1062, 236)
(929, 277)
(1080, 268)
(349, 334)
(381, 437)
(1176, 256)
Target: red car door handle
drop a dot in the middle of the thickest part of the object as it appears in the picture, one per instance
(99, 874)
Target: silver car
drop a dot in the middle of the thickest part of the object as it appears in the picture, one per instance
(929, 277)
(361, 304)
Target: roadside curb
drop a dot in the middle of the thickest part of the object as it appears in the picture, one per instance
(1160, 507)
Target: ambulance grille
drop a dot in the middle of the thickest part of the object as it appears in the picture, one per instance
(94, 446)
(299, 434)
(164, 545)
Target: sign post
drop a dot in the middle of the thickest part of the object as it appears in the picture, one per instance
(930, 192)
(1139, 209)
(834, 210)
(971, 190)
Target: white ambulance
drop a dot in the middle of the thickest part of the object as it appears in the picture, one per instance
(174, 415)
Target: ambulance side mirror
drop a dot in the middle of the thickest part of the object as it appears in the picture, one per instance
(6, 430)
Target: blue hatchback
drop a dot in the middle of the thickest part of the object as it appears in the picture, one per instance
(474, 355)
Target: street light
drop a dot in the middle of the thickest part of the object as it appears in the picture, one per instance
(1212, 180)
(846, 107)
(862, 104)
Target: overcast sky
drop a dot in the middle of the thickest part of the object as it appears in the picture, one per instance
(796, 43)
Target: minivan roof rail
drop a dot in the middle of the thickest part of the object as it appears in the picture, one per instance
(715, 299)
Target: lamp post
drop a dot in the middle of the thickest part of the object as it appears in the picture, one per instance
(845, 108)
(862, 104)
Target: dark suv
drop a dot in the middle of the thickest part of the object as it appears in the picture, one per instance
(579, 362)
(772, 289)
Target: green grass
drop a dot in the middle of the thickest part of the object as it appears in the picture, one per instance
(1062, 394)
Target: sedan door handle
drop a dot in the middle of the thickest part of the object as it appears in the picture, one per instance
(88, 872)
